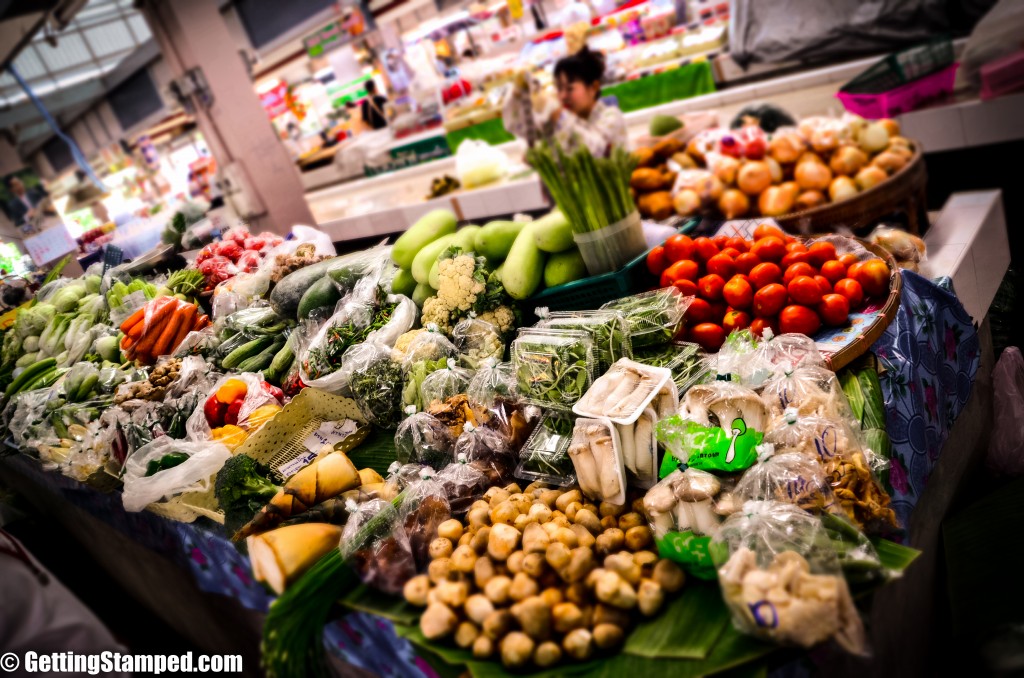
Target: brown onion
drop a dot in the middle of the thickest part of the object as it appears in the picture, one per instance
(775, 201)
(842, 188)
(754, 177)
(870, 177)
(733, 203)
(813, 176)
(809, 199)
(848, 160)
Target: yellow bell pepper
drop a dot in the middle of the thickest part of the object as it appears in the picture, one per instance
(231, 390)
(260, 416)
(230, 436)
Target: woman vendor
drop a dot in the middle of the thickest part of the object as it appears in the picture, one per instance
(580, 118)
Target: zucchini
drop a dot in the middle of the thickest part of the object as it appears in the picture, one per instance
(261, 359)
(321, 294)
(246, 350)
(403, 283)
(281, 363)
(30, 374)
(552, 233)
(524, 266)
(495, 239)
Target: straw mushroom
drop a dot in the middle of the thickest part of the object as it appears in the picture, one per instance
(416, 589)
(438, 621)
(516, 649)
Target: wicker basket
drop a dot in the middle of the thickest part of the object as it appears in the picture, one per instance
(902, 192)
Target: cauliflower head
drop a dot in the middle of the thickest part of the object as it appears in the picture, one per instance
(467, 286)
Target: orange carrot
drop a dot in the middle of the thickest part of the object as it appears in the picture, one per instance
(126, 343)
(159, 310)
(204, 320)
(187, 321)
(135, 332)
(133, 319)
(155, 328)
(170, 330)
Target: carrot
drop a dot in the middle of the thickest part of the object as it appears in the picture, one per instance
(133, 319)
(170, 330)
(127, 342)
(187, 321)
(203, 321)
(159, 310)
(135, 332)
(155, 326)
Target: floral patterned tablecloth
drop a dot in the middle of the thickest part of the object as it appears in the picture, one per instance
(930, 355)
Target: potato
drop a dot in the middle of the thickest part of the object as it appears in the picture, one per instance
(669, 576)
(466, 539)
(483, 647)
(521, 521)
(450, 529)
(580, 564)
(558, 555)
(478, 607)
(649, 597)
(495, 495)
(466, 634)
(416, 589)
(645, 558)
(638, 538)
(480, 504)
(571, 509)
(613, 590)
(503, 541)
(521, 502)
(631, 519)
(464, 559)
(606, 509)
(609, 522)
(657, 205)
(523, 587)
(440, 548)
(505, 512)
(583, 536)
(498, 623)
(578, 593)
(547, 654)
(534, 487)
(567, 537)
(606, 614)
(483, 571)
(548, 497)
(533, 564)
(540, 512)
(637, 505)
(480, 539)
(453, 593)
(516, 650)
(622, 563)
(552, 596)
(549, 529)
(535, 539)
(497, 589)
(578, 644)
(588, 519)
(513, 488)
(610, 541)
(515, 562)
(607, 636)
(566, 617)
(440, 570)
(567, 498)
(478, 517)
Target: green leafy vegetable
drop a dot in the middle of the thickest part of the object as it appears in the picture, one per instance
(654, 317)
(376, 389)
(554, 368)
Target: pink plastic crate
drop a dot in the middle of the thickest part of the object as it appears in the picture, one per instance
(902, 99)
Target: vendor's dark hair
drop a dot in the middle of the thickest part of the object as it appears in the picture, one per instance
(584, 66)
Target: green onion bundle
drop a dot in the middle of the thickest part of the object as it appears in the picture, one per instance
(591, 192)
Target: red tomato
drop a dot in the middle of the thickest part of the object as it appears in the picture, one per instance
(803, 289)
(770, 248)
(851, 289)
(769, 300)
(704, 249)
(718, 311)
(848, 260)
(656, 262)
(799, 319)
(722, 265)
(793, 258)
(824, 284)
(834, 309)
(711, 286)
(852, 269)
(687, 287)
(681, 270)
(698, 312)
(820, 252)
(746, 262)
(765, 230)
(873, 276)
(797, 269)
(709, 335)
(678, 247)
(765, 274)
(735, 320)
(834, 271)
(738, 293)
(720, 241)
(759, 325)
(738, 243)
(796, 247)
(731, 252)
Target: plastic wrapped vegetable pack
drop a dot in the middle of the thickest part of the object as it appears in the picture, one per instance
(463, 482)
(375, 540)
(167, 467)
(442, 384)
(718, 428)
(493, 382)
(477, 341)
(424, 439)
(545, 456)
(376, 383)
(788, 477)
(818, 438)
(597, 457)
(654, 317)
(626, 390)
(554, 368)
(755, 362)
(426, 352)
(608, 330)
(488, 451)
(682, 358)
(782, 580)
(237, 407)
(422, 510)
(681, 508)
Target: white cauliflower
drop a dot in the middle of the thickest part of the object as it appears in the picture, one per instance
(501, 317)
(459, 286)
(466, 286)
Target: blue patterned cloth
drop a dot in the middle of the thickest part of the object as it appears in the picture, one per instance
(930, 354)
(929, 357)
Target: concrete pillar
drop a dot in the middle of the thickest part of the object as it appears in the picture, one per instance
(192, 33)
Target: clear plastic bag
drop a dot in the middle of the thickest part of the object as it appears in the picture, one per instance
(424, 439)
(143, 485)
(820, 439)
(654, 317)
(320, 360)
(402, 319)
(375, 543)
(1004, 449)
(203, 342)
(237, 406)
(782, 580)
(423, 509)
(608, 330)
(810, 390)
(487, 450)
(376, 383)
(492, 383)
(682, 516)
(463, 483)
(442, 384)
(554, 368)
(596, 455)
(788, 477)
(545, 455)
(428, 345)
(625, 391)
(756, 362)
(79, 382)
(477, 341)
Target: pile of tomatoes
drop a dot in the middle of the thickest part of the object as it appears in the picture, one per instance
(773, 281)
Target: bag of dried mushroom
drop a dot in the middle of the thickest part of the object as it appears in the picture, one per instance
(782, 580)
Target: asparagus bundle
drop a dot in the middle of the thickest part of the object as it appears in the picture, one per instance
(591, 192)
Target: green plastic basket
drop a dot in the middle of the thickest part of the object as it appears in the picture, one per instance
(590, 293)
(899, 68)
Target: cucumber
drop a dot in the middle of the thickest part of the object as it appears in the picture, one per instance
(30, 374)
(246, 350)
(262, 359)
(324, 292)
(428, 255)
(552, 233)
(524, 267)
(281, 363)
(495, 239)
(288, 291)
(422, 293)
(86, 387)
(564, 267)
(403, 283)
(427, 229)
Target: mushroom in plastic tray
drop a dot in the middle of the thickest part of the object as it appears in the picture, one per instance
(597, 458)
(626, 390)
(682, 513)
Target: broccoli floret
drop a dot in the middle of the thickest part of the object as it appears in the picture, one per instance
(243, 487)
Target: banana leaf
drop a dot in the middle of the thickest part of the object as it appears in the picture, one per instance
(376, 452)
(687, 628)
(365, 599)
(895, 556)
